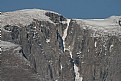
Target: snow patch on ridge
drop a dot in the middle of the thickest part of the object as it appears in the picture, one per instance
(111, 21)
(24, 17)
(101, 27)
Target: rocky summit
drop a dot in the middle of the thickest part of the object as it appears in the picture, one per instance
(41, 45)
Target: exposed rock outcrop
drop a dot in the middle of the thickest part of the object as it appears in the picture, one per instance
(39, 45)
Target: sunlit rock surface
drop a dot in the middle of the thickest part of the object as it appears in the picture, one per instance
(40, 45)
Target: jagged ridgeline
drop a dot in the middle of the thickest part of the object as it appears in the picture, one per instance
(40, 45)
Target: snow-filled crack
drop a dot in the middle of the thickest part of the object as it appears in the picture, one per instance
(77, 75)
(65, 32)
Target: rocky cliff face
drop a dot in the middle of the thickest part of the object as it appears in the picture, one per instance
(39, 45)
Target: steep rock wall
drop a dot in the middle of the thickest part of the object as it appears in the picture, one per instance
(62, 49)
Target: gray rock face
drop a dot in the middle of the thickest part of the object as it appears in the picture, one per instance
(39, 45)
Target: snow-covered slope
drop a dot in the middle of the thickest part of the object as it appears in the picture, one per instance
(111, 21)
(24, 17)
(103, 26)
